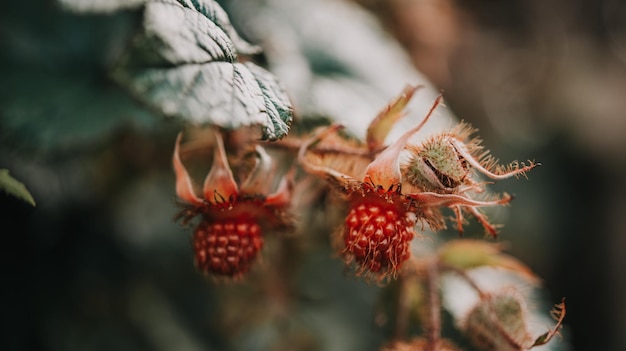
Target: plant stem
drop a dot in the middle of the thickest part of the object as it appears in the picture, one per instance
(463, 275)
(402, 316)
(434, 303)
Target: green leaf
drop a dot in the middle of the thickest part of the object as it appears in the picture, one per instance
(214, 13)
(277, 104)
(13, 187)
(184, 64)
(173, 35)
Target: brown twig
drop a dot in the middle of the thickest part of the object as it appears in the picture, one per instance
(402, 315)
(434, 304)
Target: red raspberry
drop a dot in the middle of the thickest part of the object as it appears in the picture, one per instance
(377, 237)
(227, 248)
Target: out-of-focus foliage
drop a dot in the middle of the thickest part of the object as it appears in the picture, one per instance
(545, 79)
(13, 187)
(468, 254)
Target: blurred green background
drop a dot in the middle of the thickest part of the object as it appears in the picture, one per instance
(99, 263)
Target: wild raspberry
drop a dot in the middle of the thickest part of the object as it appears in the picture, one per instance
(228, 238)
(227, 248)
(377, 236)
(380, 224)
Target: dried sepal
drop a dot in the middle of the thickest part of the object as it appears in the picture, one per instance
(558, 313)
(486, 164)
(219, 184)
(184, 185)
(384, 170)
(283, 194)
(458, 202)
(331, 162)
(259, 181)
(380, 127)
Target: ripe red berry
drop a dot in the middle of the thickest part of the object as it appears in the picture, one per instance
(227, 248)
(377, 236)
(228, 238)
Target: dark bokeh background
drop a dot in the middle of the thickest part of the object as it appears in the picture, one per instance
(99, 264)
(547, 79)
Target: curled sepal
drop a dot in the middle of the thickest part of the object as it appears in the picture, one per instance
(318, 168)
(558, 313)
(184, 185)
(219, 184)
(489, 166)
(458, 202)
(385, 120)
(466, 254)
(260, 179)
(385, 169)
(282, 196)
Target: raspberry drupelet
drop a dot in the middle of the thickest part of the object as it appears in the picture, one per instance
(230, 233)
(381, 218)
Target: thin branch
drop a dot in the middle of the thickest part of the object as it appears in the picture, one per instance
(434, 304)
(404, 301)
(463, 275)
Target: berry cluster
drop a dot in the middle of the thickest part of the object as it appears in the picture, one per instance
(380, 225)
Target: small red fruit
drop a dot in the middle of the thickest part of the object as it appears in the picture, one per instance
(378, 236)
(227, 247)
(229, 236)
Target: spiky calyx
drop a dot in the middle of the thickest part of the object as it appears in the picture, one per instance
(227, 248)
(377, 236)
(443, 163)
